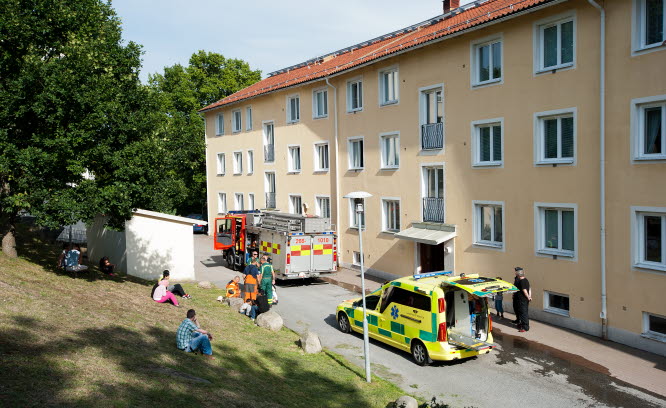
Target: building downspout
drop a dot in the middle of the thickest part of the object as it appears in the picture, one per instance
(337, 166)
(602, 164)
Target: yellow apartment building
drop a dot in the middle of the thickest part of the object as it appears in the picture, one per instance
(500, 133)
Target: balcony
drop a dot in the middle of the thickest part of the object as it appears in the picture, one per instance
(270, 200)
(269, 153)
(432, 136)
(433, 209)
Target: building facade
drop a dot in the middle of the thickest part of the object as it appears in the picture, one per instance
(482, 138)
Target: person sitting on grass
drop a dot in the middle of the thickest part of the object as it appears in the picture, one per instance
(190, 337)
(106, 266)
(176, 289)
(233, 288)
(161, 294)
(63, 254)
(73, 260)
(249, 308)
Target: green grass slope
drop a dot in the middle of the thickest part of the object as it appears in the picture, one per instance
(97, 341)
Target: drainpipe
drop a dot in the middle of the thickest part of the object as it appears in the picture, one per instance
(602, 164)
(337, 167)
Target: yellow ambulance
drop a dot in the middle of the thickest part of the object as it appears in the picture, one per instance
(434, 316)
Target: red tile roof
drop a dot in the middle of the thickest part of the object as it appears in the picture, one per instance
(454, 23)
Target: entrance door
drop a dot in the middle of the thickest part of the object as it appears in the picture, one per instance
(432, 257)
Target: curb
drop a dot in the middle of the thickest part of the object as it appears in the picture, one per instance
(345, 285)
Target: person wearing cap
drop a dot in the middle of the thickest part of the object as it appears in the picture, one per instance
(521, 300)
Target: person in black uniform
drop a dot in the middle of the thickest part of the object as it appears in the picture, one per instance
(521, 300)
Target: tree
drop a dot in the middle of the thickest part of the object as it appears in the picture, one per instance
(71, 105)
(181, 92)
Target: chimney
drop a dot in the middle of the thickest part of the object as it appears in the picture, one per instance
(450, 5)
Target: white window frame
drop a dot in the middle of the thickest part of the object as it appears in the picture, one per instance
(318, 209)
(219, 124)
(291, 118)
(357, 80)
(383, 98)
(539, 231)
(637, 123)
(424, 186)
(638, 45)
(264, 139)
(538, 42)
(267, 185)
(236, 121)
(638, 238)
(250, 199)
(476, 142)
(646, 327)
(317, 158)
(222, 203)
(248, 118)
(290, 162)
(423, 91)
(250, 161)
(238, 162)
(352, 214)
(315, 104)
(350, 152)
(384, 215)
(292, 207)
(239, 204)
(221, 164)
(382, 148)
(475, 63)
(551, 309)
(539, 143)
(356, 258)
(477, 207)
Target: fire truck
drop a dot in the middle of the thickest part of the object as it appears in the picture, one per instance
(299, 246)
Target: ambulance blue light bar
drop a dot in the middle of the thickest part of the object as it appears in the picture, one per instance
(431, 274)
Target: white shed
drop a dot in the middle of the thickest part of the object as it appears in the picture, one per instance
(151, 243)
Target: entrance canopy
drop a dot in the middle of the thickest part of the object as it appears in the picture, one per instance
(428, 233)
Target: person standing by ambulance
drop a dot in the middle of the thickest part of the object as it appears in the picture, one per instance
(521, 300)
(267, 278)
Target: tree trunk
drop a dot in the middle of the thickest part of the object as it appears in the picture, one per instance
(9, 238)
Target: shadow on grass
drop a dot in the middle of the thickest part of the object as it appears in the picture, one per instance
(126, 368)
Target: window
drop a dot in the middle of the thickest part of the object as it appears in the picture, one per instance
(649, 238)
(221, 166)
(353, 215)
(431, 103)
(250, 201)
(489, 223)
(294, 159)
(487, 62)
(555, 137)
(390, 145)
(355, 153)
(319, 103)
(238, 162)
(295, 204)
(354, 95)
(388, 86)
(293, 109)
(356, 260)
(219, 124)
(433, 193)
(236, 121)
(556, 226)
(487, 142)
(556, 303)
(269, 187)
(323, 206)
(648, 128)
(555, 43)
(654, 326)
(321, 157)
(221, 203)
(390, 215)
(269, 143)
(250, 162)
(650, 18)
(248, 118)
(238, 199)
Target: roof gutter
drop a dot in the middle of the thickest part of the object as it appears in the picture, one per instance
(602, 164)
(337, 164)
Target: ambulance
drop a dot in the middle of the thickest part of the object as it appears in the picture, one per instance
(433, 316)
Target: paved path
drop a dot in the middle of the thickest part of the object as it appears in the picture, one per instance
(520, 373)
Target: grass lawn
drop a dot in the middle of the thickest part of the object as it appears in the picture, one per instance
(102, 341)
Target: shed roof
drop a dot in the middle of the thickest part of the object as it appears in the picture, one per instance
(168, 217)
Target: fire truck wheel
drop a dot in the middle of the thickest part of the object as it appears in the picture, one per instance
(230, 260)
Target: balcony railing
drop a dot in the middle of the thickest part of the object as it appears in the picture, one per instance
(270, 200)
(433, 209)
(269, 153)
(432, 136)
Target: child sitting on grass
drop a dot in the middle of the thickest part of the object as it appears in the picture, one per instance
(249, 308)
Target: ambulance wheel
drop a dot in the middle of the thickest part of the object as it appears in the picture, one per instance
(420, 353)
(343, 323)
